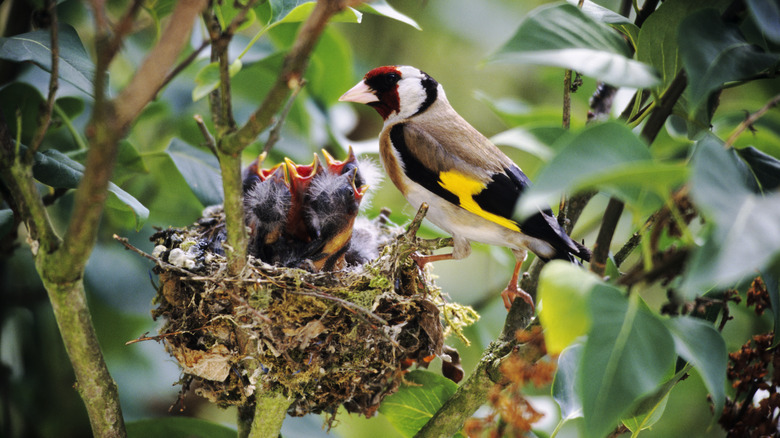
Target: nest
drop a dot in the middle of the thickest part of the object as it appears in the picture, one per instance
(324, 339)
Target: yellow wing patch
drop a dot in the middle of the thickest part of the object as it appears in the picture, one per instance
(465, 188)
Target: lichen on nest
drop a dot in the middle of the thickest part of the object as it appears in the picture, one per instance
(324, 339)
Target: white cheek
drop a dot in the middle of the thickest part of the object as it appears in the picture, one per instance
(411, 96)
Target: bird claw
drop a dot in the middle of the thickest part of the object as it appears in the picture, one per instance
(511, 293)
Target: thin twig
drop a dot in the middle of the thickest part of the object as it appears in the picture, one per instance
(204, 130)
(325, 296)
(45, 117)
(182, 65)
(414, 225)
(275, 133)
(240, 17)
(251, 309)
(165, 265)
(122, 29)
(750, 120)
(664, 108)
(99, 16)
(598, 261)
(647, 8)
(164, 335)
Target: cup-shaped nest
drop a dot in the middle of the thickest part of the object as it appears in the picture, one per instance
(324, 338)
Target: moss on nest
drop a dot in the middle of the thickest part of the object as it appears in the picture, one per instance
(325, 339)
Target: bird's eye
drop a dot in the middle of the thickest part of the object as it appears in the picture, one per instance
(393, 77)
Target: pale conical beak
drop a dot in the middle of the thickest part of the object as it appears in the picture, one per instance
(360, 93)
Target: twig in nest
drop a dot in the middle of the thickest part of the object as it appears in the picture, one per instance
(345, 303)
(349, 306)
(164, 335)
(414, 226)
(251, 309)
(160, 263)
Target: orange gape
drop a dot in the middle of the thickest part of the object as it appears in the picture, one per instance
(303, 214)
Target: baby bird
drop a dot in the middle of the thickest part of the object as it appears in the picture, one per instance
(331, 206)
(434, 156)
(267, 200)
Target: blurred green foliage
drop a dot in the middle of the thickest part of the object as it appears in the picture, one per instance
(165, 177)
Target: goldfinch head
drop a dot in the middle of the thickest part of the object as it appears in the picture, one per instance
(396, 92)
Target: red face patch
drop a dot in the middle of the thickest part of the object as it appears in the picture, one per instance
(384, 82)
(387, 69)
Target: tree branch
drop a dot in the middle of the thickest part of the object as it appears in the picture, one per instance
(598, 262)
(18, 177)
(270, 411)
(469, 396)
(61, 264)
(292, 72)
(231, 144)
(154, 70)
(110, 121)
(663, 110)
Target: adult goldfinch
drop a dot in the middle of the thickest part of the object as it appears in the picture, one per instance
(434, 156)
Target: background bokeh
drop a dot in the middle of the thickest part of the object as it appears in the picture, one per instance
(36, 382)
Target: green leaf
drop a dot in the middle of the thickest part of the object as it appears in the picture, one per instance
(57, 170)
(603, 15)
(628, 354)
(643, 186)
(702, 345)
(178, 427)
(515, 112)
(128, 161)
(766, 14)
(590, 154)
(658, 38)
(200, 169)
(228, 11)
(295, 11)
(565, 384)
(19, 99)
(715, 53)
(650, 409)
(413, 405)
(330, 67)
(563, 296)
(659, 47)
(6, 222)
(381, 7)
(75, 66)
(647, 416)
(744, 237)
(525, 140)
(765, 167)
(562, 35)
(208, 78)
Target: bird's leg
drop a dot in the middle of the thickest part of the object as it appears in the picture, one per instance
(421, 260)
(461, 248)
(512, 291)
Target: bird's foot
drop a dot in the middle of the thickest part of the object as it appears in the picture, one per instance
(511, 292)
(422, 260)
